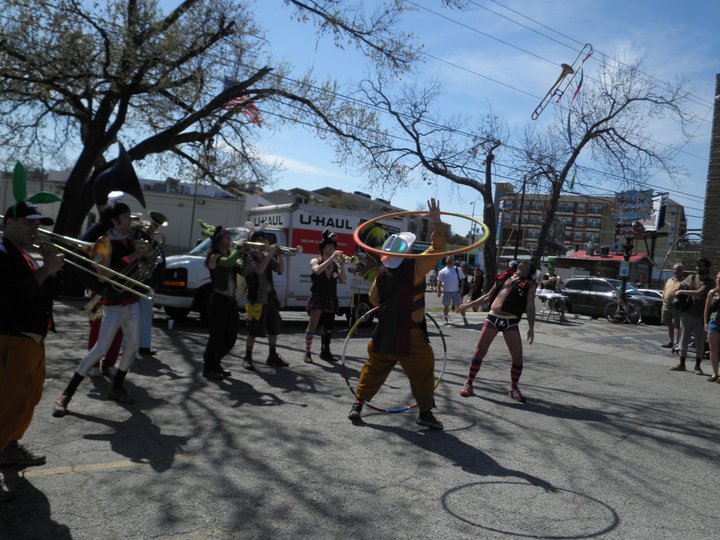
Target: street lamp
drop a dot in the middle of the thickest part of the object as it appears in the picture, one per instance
(472, 232)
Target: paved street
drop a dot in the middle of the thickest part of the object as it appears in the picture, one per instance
(611, 444)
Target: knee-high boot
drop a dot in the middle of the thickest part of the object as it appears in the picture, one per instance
(325, 353)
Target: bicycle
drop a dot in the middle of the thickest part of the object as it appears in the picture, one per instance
(621, 311)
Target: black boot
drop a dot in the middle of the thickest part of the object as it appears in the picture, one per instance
(248, 360)
(325, 353)
(274, 359)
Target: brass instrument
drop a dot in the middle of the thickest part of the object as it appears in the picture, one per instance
(150, 227)
(555, 90)
(94, 252)
(350, 259)
(264, 246)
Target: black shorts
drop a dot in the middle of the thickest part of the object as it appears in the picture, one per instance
(268, 322)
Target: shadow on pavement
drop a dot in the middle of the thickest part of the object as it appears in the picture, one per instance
(28, 514)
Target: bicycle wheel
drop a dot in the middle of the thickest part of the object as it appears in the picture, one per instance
(615, 312)
(633, 313)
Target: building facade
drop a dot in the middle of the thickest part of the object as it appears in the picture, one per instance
(582, 223)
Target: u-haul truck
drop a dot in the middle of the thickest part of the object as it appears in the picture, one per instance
(186, 286)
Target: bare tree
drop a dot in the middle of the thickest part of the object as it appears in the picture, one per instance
(78, 76)
(612, 120)
(414, 147)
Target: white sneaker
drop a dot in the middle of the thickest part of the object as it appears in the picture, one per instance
(94, 372)
(109, 371)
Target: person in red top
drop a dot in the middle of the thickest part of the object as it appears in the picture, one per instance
(510, 297)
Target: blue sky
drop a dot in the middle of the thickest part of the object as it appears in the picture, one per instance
(502, 65)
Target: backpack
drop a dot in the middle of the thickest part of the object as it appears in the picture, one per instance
(464, 285)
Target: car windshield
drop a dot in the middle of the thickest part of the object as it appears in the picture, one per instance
(201, 249)
(630, 288)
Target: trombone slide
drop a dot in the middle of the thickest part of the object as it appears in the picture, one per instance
(264, 246)
(557, 90)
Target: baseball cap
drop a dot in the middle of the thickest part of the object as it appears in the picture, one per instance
(24, 209)
(396, 243)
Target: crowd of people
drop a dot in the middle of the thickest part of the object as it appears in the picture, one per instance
(691, 311)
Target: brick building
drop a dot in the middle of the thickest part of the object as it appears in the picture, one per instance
(582, 222)
(711, 220)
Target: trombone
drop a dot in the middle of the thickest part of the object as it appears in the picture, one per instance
(100, 248)
(555, 90)
(264, 246)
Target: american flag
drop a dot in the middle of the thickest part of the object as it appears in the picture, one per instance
(245, 104)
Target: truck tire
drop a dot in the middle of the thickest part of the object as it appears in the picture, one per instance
(176, 313)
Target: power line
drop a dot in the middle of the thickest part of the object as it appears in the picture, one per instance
(700, 99)
(438, 125)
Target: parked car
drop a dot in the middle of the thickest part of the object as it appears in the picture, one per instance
(652, 293)
(589, 296)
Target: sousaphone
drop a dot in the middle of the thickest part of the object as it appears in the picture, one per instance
(119, 176)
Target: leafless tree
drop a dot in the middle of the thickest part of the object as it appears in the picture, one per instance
(415, 147)
(610, 121)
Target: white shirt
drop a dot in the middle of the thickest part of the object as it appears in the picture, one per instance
(449, 278)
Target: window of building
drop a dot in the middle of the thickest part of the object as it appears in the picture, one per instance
(578, 237)
(581, 207)
(579, 222)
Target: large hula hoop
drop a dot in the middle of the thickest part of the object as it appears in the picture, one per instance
(363, 245)
(347, 380)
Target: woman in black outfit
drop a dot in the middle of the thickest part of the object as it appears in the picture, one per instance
(224, 264)
(327, 271)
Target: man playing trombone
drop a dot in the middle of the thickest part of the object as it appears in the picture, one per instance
(26, 302)
(120, 310)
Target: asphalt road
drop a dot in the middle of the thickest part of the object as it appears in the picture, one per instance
(610, 444)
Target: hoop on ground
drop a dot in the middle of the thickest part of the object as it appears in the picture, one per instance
(407, 408)
(483, 237)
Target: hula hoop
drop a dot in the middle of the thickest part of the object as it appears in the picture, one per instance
(363, 245)
(347, 380)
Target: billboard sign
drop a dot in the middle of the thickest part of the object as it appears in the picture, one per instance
(656, 219)
(633, 205)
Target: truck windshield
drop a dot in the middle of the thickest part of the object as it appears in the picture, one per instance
(201, 249)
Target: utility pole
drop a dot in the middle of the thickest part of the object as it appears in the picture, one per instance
(472, 232)
(628, 247)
